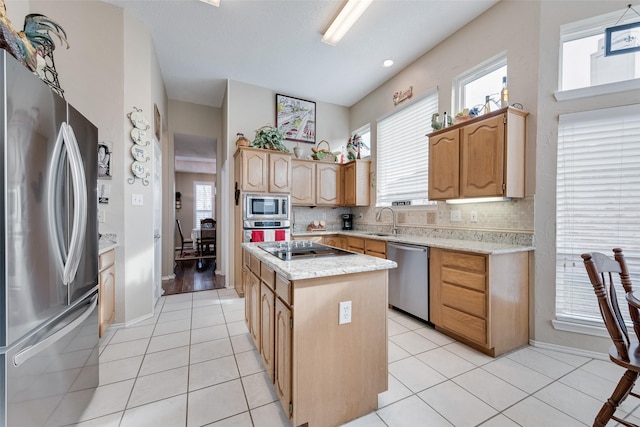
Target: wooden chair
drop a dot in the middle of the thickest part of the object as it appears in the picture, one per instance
(603, 273)
(207, 236)
(207, 223)
(182, 240)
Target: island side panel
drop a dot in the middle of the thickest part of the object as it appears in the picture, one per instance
(339, 369)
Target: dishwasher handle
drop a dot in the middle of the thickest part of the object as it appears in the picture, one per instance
(408, 247)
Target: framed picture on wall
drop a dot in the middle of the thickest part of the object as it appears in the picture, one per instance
(157, 122)
(105, 150)
(296, 118)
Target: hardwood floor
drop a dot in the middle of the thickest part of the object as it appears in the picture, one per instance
(190, 278)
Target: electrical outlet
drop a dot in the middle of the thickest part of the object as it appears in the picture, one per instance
(345, 312)
(474, 216)
(360, 215)
(456, 215)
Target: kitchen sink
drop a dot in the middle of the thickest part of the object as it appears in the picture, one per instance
(379, 234)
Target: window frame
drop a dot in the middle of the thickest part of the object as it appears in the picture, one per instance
(196, 219)
(485, 67)
(383, 162)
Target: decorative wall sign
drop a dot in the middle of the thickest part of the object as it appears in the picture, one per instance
(402, 95)
(296, 118)
(622, 39)
(105, 150)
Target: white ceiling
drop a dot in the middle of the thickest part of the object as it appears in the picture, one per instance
(276, 44)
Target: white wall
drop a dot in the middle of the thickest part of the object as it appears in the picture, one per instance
(247, 108)
(109, 68)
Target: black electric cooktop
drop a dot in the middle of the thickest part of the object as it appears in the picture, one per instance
(301, 249)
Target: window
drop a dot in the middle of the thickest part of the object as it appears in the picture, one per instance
(583, 63)
(365, 134)
(597, 202)
(403, 153)
(203, 201)
(472, 87)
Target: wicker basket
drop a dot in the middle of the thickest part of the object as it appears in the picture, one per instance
(321, 154)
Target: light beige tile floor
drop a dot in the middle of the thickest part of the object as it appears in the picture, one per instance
(194, 364)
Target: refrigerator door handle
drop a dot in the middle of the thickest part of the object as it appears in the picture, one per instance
(56, 244)
(32, 350)
(78, 232)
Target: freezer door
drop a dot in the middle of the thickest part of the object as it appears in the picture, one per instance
(31, 115)
(50, 372)
(86, 138)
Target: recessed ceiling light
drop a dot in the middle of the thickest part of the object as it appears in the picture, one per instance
(212, 2)
(387, 63)
(345, 19)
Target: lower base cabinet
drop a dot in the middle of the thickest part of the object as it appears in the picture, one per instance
(107, 290)
(481, 300)
(317, 366)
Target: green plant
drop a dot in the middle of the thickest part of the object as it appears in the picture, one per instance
(269, 138)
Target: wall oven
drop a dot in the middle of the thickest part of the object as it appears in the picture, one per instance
(266, 218)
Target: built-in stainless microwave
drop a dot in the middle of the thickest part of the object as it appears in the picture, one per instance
(266, 206)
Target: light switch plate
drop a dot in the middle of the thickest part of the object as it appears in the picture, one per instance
(137, 200)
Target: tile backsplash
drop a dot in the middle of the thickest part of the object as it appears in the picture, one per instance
(501, 222)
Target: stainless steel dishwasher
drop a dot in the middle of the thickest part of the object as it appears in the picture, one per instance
(409, 283)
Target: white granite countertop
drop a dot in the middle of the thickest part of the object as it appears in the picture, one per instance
(434, 242)
(106, 246)
(301, 269)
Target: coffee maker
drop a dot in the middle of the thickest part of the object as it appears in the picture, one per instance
(347, 221)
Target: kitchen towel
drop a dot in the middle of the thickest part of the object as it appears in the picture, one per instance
(257, 236)
(280, 235)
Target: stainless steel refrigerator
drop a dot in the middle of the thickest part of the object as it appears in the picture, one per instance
(49, 259)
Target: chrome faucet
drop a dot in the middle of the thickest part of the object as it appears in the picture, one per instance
(394, 230)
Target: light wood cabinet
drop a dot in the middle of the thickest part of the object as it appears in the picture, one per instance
(373, 247)
(107, 290)
(253, 294)
(335, 241)
(303, 188)
(263, 171)
(356, 183)
(479, 299)
(313, 385)
(328, 188)
(484, 157)
(283, 368)
(316, 183)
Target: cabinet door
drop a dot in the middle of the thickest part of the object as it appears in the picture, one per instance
(349, 180)
(267, 328)
(254, 304)
(327, 184)
(283, 360)
(279, 172)
(482, 158)
(444, 165)
(255, 169)
(246, 289)
(303, 190)
(107, 297)
(335, 241)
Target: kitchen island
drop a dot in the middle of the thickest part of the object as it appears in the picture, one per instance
(320, 325)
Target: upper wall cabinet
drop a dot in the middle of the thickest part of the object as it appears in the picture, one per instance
(321, 183)
(356, 183)
(263, 171)
(483, 157)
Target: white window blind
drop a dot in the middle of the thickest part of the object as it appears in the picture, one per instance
(598, 202)
(203, 201)
(403, 153)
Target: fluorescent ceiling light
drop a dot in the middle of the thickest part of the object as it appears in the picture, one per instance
(345, 20)
(215, 3)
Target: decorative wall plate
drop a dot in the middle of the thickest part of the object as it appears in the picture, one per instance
(138, 170)
(139, 153)
(139, 136)
(138, 120)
